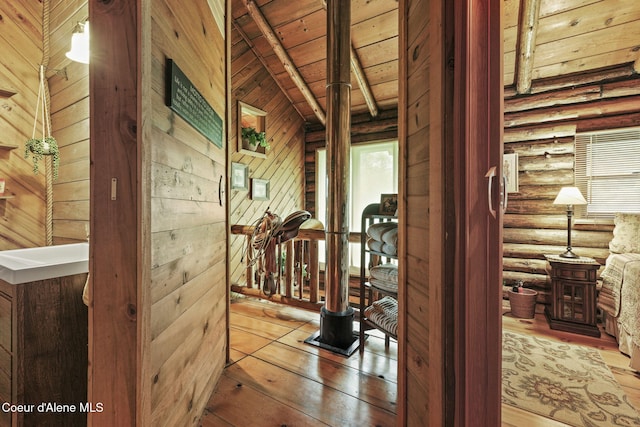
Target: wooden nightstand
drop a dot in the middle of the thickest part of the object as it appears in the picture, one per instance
(573, 295)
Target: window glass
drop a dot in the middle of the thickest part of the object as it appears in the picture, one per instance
(607, 171)
(374, 171)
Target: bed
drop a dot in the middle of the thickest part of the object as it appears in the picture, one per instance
(619, 297)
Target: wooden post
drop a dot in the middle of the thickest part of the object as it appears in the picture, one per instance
(119, 313)
(298, 265)
(526, 48)
(249, 266)
(314, 271)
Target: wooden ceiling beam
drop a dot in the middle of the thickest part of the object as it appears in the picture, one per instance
(358, 72)
(281, 53)
(258, 55)
(529, 13)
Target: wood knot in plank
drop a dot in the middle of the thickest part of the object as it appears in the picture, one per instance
(418, 361)
(131, 311)
(416, 52)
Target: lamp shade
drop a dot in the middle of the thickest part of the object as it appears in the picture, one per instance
(569, 196)
(80, 44)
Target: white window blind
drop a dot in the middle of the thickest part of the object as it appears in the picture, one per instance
(607, 171)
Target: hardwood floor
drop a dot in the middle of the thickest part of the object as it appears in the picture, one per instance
(275, 379)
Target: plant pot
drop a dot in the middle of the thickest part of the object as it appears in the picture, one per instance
(46, 151)
(523, 304)
(249, 146)
(38, 148)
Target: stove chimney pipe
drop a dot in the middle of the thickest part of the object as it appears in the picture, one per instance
(336, 322)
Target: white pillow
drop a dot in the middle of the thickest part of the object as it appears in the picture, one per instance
(626, 234)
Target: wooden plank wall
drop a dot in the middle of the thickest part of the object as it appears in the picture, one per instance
(421, 235)
(188, 225)
(70, 123)
(540, 128)
(284, 164)
(23, 216)
(21, 36)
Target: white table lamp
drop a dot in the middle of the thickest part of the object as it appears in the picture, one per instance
(569, 196)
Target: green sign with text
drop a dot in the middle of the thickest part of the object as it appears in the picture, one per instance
(186, 101)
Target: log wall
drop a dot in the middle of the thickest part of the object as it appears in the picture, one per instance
(283, 165)
(540, 127)
(188, 317)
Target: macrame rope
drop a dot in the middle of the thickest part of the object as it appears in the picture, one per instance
(46, 121)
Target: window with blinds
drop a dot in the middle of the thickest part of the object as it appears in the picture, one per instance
(607, 172)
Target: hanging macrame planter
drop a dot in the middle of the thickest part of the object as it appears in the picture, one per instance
(38, 148)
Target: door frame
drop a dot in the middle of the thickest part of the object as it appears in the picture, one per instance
(477, 148)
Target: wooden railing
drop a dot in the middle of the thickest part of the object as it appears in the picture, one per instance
(299, 281)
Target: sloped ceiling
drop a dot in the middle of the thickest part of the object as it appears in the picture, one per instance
(542, 39)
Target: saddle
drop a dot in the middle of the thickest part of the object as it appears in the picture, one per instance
(269, 232)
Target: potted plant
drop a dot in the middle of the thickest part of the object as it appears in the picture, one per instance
(254, 138)
(40, 147)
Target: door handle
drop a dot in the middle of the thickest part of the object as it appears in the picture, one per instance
(220, 190)
(490, 174)
(504, 194)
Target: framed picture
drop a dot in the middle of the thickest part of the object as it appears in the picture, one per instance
(389, 204)
(510, 171)
(259, 189)
(239, 176)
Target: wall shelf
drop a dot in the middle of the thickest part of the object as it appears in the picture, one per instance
(5, 93)
(251, 117)
(8, 146)
(253, 153)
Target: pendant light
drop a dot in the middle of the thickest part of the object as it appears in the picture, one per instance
(80, 43)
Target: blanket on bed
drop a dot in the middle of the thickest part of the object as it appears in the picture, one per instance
(612, 281)
(620, 293)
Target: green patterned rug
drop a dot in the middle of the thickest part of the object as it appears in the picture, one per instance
(565, 382)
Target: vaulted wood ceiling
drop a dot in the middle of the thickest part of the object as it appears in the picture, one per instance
(542, 38)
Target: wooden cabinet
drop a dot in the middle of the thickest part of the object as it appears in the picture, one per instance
(369, 258)
(43, 352)
(573, 295)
